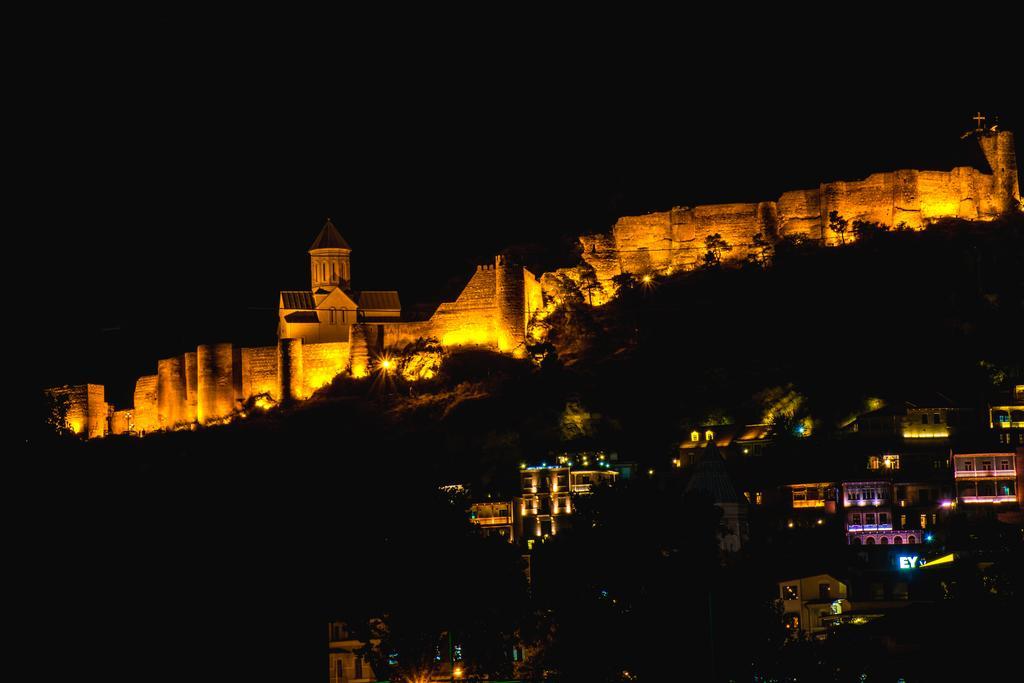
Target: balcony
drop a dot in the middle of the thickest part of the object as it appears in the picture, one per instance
(984, 474)
(493, 521)
(988, 499)
(809, 503)
(869, 527)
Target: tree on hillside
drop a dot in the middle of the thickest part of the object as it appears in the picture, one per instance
(561, 289)
(838, 225)
(716, 248)
(589, 284)
(864, 230)
(761, 253)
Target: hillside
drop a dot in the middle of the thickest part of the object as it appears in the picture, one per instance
(254, 522)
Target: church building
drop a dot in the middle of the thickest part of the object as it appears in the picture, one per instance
(327, 311)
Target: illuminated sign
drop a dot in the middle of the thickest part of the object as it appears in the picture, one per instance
(916, 561)
(910, 561)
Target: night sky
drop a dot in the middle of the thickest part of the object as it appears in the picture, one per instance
(171, 198)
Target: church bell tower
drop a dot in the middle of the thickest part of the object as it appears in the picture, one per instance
(329, 259)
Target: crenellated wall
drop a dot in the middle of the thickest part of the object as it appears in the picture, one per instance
(492, 311)
(661, 241)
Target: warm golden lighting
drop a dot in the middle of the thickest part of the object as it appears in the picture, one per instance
(264, 402)
(646, 279)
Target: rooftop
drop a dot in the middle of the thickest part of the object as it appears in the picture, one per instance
(329, 238)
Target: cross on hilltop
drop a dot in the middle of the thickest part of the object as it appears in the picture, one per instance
(979, 119)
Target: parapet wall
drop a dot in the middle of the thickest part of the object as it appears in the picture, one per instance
(674, 239)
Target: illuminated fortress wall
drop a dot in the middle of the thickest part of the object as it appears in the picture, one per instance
(674, 239)
(145, 404)
(86, 408)
(492, 311)
(259, 371)
(321, 363)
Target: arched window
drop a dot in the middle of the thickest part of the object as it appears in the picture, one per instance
(334, 273)
(871, 540)
(897, 540)
(709, 435)
(856, 541)
(885, 540)
(911, 540)
(694, 435)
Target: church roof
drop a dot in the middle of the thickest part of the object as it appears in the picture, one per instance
(302, 300)
(379, 300)
(710, 477)
(302, 317)
(329, 238)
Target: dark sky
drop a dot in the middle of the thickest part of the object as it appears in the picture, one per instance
(171, 194)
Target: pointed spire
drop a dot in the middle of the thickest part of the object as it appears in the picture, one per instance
(329, 238)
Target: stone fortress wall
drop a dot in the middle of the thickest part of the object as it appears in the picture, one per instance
(214, 382)
(674, 240)
(493, 311)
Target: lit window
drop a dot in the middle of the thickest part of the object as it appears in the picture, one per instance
(924, 521)
(709, 435)
(695, 435)
(757, 498)
(791, 592)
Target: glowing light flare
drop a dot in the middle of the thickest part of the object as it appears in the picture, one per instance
(945, 559)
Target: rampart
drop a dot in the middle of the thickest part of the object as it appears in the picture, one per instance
(675, 239)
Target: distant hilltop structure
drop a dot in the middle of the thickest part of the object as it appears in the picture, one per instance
(325, 331)
(674, 240)
(332, 329)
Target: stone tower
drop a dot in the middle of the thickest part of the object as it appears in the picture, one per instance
(329, 259)
(510, 302)
(999, 152)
